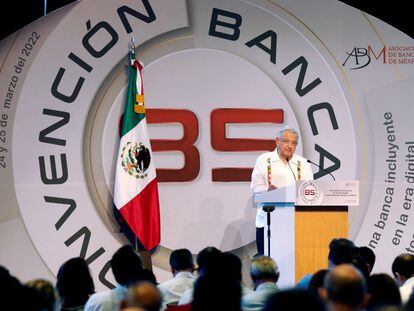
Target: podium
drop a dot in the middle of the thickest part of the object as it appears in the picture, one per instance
(307, 216)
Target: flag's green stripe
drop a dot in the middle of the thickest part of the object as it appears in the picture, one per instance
(131, 119)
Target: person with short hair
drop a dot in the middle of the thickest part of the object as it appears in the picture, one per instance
(127, 268)
(316, 282)
(345, 289)
(295, 299)
(341, 250)
(182, 267)
(265, 274)
(383, 291)
(219, 286)
(368, 255)
(403, 271)
(278, 168)
(204, 257)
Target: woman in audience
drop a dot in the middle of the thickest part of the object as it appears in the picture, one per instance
(74, 284)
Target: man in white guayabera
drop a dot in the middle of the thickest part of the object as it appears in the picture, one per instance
(279, 168)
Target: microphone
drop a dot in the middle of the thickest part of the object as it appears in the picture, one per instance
(321, 168)
(287, 160)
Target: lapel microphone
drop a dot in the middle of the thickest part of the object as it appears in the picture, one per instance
(321, 168)
(287, 160)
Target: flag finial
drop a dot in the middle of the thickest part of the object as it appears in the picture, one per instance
(132, 50)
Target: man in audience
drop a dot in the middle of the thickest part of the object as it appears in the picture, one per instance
(264, 273)
(341, 251)
(142, 296)
(368, 255)
(182, 267)
(126, 266)
(294, 299)
(218, 287)
(383, 291)
(206, 255)
(403, 271)
(345, 289)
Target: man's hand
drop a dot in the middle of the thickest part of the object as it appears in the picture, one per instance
(271, 187)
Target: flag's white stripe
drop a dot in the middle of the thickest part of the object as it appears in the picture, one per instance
(139, 83)
(126, 186)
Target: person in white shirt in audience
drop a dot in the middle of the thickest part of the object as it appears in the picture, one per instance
(127, 268)
(182, 267)
(264, 273)
(403, 271)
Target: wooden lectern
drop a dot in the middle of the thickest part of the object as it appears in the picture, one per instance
(307, 216)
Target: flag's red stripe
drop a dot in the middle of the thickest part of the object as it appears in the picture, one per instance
(143, 215)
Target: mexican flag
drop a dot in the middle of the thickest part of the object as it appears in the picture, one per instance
(136, 190)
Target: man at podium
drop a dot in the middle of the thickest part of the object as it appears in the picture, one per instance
(279, 168)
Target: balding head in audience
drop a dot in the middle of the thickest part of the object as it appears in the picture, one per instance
(142, 296)
(345, 289)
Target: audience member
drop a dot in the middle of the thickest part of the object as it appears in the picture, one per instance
(127, 268)
(182, 267)
(341, 251)
(74, 284)
(345, 289)
(205, 256)
(403, 271)
(47, 294)
(383, 291)
(142, 296)
(316, 282)
(368, 255)
(359, 262)
(295, 299)
(264, 273)
(389, 308)
(15, 296)
(219, 288)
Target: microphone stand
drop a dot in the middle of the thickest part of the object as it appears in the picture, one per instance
(268, 209)
(287, 160)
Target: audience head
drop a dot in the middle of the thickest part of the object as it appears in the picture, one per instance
(74, 282)
(264, 269)
(47, 293)
(205, 255)
(345, 285)
(316, 282)
(383, 290)
(126, 265)
(181, 260)
(403, 268)
(294, 300)
(360, 263)
(341, 251)
(220, 279)
(142, 295)
(15, 296)
(368, 255)
(148, 276)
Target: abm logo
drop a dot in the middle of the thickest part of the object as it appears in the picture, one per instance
(361, 57)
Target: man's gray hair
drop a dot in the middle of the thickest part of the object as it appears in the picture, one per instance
(287, 129)
(264, 266)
